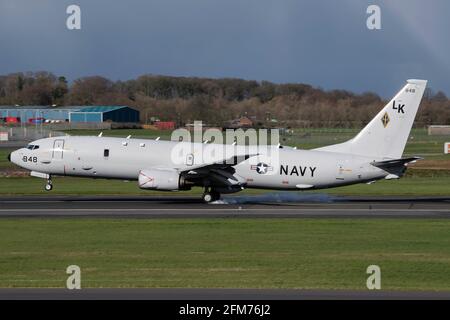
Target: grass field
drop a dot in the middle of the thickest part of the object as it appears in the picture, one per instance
(232, 253)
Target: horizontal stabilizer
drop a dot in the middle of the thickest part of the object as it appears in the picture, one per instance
(395, 166)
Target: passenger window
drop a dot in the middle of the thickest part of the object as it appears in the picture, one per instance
(106, 153)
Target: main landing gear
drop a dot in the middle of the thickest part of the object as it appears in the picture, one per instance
(210, 195)
(49, 185)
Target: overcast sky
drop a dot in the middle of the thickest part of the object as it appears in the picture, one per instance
(321, 42)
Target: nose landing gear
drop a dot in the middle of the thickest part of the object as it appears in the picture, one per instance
(49, 185)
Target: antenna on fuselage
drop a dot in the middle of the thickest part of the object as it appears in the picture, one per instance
(157, 139)
(100, 134)
(129, 136)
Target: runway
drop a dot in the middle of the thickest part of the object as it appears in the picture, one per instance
(215, 294)
(319, 206)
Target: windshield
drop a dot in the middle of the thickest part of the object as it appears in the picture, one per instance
(32, 147)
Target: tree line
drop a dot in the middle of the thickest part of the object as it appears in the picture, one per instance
(213, 100)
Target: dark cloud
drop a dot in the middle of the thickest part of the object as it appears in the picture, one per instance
(325, 43)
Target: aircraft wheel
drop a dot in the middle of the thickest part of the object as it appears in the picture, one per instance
(207, 197)
(211, 196)
(48, 187)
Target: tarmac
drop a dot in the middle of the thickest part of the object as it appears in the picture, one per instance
(317, 206)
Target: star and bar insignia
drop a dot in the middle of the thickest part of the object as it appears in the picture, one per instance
(261, 168)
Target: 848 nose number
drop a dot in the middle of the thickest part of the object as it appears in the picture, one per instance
(29, 159)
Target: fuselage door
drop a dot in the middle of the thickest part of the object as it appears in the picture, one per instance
(58, 147)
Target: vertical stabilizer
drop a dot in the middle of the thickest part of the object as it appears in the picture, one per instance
(386, 135)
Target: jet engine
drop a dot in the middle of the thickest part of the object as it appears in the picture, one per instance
(162, 179)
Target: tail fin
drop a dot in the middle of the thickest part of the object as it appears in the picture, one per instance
(386, 135)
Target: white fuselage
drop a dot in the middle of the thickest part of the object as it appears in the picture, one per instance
(119, 158)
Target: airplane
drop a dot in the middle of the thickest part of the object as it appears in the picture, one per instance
(374, 153)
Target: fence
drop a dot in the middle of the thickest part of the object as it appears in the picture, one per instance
(29, 133)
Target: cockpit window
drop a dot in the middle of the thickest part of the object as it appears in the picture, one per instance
(32, 147)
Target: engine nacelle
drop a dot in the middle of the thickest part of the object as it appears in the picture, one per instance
(161, 179)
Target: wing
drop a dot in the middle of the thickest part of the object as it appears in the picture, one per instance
(220, 175)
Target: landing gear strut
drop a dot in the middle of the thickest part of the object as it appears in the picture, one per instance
(210, 195)
(49, 185)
